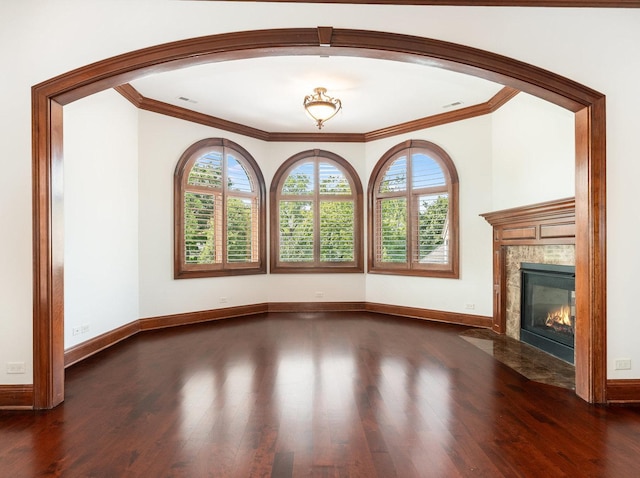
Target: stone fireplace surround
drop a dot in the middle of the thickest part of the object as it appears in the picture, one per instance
(558, 254)
(543, 233)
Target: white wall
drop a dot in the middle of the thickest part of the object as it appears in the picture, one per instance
(101, 215)
(530, 126)
(468, 143)
(162, 142)
(164, 139)
(303, 287)
(596, 47)
(533, 153)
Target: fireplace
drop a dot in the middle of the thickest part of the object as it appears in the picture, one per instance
(548, 308)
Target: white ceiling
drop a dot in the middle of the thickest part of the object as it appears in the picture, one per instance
(267, 93)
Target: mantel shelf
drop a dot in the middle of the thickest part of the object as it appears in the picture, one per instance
(552, 222)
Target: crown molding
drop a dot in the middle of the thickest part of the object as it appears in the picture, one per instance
(155, 106)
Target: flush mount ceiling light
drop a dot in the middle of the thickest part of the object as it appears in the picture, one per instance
(321, 107)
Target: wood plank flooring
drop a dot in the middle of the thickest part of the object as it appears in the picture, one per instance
(314, 395)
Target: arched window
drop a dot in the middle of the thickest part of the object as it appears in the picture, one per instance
(413, 215)
(219, 211)
(316, 215)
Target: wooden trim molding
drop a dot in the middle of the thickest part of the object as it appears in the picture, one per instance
(426, 314)
(316, 264)
(412, 266)
(494, 103)
(141, 102)
(558, 222)
(623, 391)
(92, 346)
(301, 307)
(188, 318)
(551, 222)
(478, 3)
(97, 344)
(49, 97)
(258, 197)
(16, 397)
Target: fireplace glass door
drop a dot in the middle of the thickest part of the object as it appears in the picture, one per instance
(549, 308)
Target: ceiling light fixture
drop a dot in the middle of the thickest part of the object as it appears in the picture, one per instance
(320, 107)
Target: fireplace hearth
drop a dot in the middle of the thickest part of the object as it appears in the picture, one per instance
(548, 308)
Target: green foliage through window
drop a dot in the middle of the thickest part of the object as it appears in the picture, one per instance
(414, 228)
(432, 221)
(316, 211)
(220, 207)
(199, 237)
(393, 230)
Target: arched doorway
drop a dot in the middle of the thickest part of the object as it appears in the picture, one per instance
(49, 97)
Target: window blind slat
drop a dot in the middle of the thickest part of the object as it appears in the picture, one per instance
(296, 231)
(240, 235)
(332, 180)
(207, 171)
(200, 241)
(301, 180)
(237, 177)
(393, 230)
(395, 176)
(336, 231)
(432, 231)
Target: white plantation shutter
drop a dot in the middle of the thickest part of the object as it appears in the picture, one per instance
(200, 235)
(392, 217)
(242, 233)
(432, 232)
(395, 177)
(337, 234)
(207, 171)
(237, 177)
(296, 231)
(202, 210)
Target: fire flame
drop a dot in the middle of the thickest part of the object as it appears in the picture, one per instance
(561, 316)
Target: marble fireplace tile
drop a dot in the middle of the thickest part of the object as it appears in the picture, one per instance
(561, 254)
(529, 361)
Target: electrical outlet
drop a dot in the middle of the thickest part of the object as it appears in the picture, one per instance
(16, 367)
(223, 300)
(470, 306)
(76, 331)
(319, 294)
(623, 364)
(84, 328)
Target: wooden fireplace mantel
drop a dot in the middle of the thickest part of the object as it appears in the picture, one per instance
(552, 222)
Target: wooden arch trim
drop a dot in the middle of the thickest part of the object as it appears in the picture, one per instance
(49, 97)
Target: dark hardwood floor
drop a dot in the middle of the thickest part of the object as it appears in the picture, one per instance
(323, 395)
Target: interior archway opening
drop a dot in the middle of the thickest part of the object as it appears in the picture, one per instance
(50, 96)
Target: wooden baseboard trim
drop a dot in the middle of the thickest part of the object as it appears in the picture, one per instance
(426, 314)
(153, 323)
(16, 397)
(623, 391)
(92, 346)
(317, 306)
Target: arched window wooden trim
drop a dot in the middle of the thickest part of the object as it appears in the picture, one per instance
(221, 262)
(316, 263)
(447, 265)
